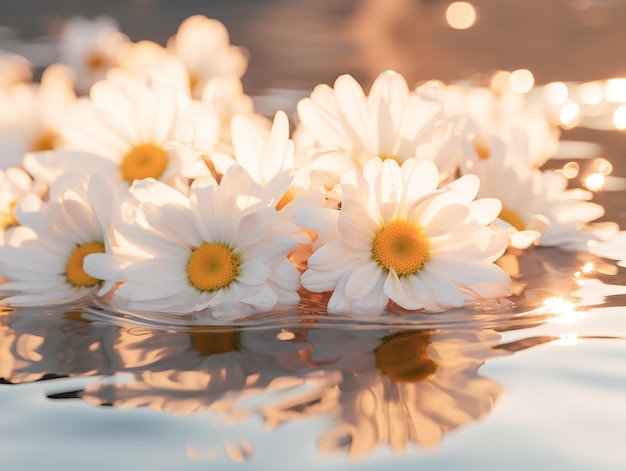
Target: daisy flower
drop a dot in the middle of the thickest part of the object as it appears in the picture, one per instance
(537, 208)
(215, 249)
(392, 122)
(43, 257)
(90, 47)
(397, 238)
(129, 126)
(499, 117)
(203, 46)
(33, 114)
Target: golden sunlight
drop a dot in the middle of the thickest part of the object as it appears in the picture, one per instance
(570, 115)
(595, 181)
(619, 118)
(555, 93)
(615, 90)
(521, 81)
(591, 93)
(461, 15)
(500, 81)
(570, 170)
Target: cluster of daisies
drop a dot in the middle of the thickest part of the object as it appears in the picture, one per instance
(142, 175)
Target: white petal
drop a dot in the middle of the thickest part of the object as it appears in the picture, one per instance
(362, 280)
(253, 273)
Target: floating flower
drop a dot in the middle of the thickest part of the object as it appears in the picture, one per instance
(90, 48)
(497, 118)
(130, 125)
(43, 257)
(203, 46)
(35, 114)
(537, 208)
(396, 237)
(215, 249)
(392, 122)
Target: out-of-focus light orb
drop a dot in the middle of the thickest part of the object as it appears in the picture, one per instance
(619, 118)
(285, 335)
(591, 93)
(500, 81)
(615, 90)
(594, 182)
(461, 15)
(569, 115)
(521, 80)
(555, 93)
(602, 166)
(570, 170)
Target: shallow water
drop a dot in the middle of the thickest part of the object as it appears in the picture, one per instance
(520, 384)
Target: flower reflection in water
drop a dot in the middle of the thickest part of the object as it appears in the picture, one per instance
(416, 386)
(36, 345)
(393, 386)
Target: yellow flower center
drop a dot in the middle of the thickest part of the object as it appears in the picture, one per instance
(512, 217)
(7, 218)
(74, 269)
(482, 150)
(404, 357)
(46, 140)
(95, 60)
(215, 341)
(144, 161)
(401, 246)
(212, 267)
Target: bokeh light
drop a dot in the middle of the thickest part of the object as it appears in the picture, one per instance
(591, 93)
(570, 170)
(594, 182)
(521, 80)
(461, 15)
(500, 81)
(619, 118)
(569, 115)
(615, 90)
(555, 93)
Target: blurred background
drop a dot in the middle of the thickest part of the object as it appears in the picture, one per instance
(299, 43)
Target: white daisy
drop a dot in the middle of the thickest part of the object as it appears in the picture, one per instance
(131, 126)
(396, 237)
(500, 117)
(392, 122)
(203, 46)
(537, 208)
(215, 249)
(43, 257)
(90, 48)
(32, 115)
